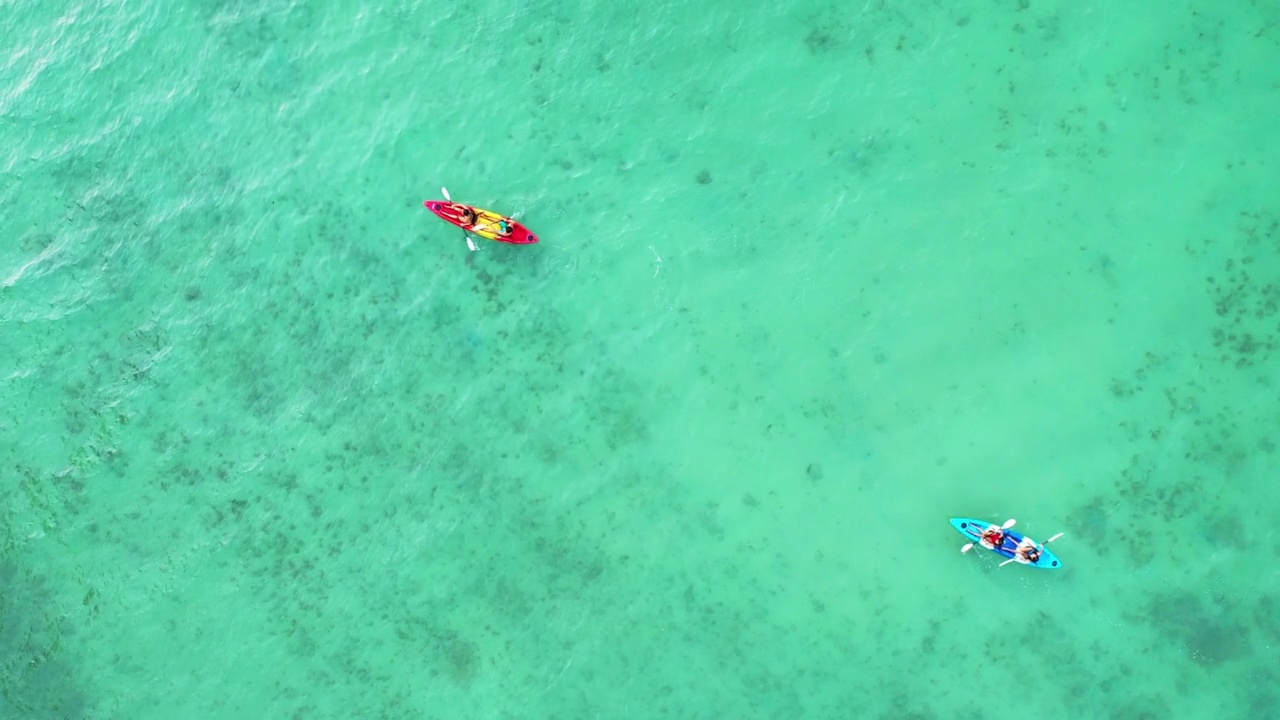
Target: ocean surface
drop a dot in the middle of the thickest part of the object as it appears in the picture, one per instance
(814, 278)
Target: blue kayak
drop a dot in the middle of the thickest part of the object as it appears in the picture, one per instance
(972, 529)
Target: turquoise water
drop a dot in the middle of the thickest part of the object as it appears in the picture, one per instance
(812, 281)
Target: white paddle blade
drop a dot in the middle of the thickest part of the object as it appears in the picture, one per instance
(1055, 537)
(1006, 562)
(471, 245)
(1008, 524)
(445, 191)
(966, 548)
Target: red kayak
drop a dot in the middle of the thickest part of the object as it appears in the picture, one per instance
(484, 223)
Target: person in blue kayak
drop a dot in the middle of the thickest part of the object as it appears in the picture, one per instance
(992, 537)
(1028, 551)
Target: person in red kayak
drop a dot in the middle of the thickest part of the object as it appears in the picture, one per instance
(467, 216)
(504, 226)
